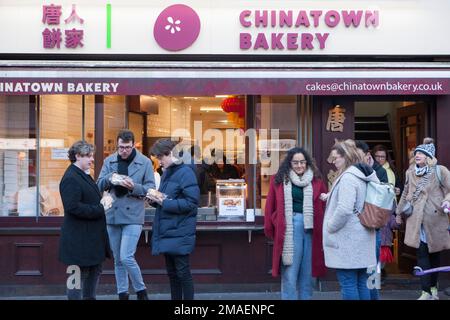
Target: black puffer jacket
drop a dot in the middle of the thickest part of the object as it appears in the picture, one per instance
(176, 219)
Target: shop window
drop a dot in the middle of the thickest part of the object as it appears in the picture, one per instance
(17, 156)
(283, 122)
(115, 112)
(136, 125)
(61, 125)
(200, 124)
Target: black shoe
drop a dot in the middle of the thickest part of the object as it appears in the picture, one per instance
(124, 296)
(142, 295)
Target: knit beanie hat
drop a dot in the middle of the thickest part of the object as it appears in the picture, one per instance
(427, 148)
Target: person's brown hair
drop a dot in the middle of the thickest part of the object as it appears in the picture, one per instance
(348, 150)
(163, 147)
(126, 136)
(381, 147)
(81, 148)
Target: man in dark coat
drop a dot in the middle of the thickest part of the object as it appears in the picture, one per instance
(383, 177)
(379, 170)
(84, 239)
(175, 220)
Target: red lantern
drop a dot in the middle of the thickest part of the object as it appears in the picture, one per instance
(234, 104)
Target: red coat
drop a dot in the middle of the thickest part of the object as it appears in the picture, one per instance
(275, 225)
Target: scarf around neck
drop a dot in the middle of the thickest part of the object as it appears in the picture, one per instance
(390, 173)
(304, 182)
(122, 168)
(424, 174)
(421, 171)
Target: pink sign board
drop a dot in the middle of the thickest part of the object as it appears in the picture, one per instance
(213, 86)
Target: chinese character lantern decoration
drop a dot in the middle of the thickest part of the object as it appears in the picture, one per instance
(235, 107)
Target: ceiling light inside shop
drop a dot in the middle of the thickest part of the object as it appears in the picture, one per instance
(208, 109)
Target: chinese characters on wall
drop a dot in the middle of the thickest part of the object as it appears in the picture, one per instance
(52, 35)
(336, 118)
(335, 123)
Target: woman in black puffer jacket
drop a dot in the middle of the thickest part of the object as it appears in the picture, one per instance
(175, 220)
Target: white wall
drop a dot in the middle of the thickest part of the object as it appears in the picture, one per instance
(413, 27)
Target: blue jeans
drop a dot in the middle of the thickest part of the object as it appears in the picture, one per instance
(353, 284)
(123, 240)
(296, 279)
(89, 281)
(375, 293)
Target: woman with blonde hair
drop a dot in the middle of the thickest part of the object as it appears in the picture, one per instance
(348, 245)
(425, 196)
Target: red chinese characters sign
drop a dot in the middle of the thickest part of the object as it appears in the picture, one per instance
(51, 38)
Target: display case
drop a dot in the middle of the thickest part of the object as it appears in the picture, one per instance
(230, 196)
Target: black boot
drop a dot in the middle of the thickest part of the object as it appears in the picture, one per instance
(124, 296)
(142, 295)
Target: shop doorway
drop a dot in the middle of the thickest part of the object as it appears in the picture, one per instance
(399, 126)
(399, 123)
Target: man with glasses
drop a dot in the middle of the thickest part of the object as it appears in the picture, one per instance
(127, 174)
(381, 173)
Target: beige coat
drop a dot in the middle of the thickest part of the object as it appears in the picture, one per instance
(427, 210)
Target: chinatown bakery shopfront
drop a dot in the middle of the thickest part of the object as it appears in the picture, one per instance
(239, 82)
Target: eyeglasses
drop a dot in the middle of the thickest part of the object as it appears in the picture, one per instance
(380, 157)
(333, 159)
(128, 148)
(296, 163)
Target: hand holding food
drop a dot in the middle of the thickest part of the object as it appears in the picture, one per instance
(107, 200)
(155, 196)
(128, 183)
(118, 179)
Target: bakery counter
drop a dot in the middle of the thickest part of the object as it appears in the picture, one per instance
(207, 221)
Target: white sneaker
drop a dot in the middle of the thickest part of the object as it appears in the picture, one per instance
(434, 293)
(425, 296)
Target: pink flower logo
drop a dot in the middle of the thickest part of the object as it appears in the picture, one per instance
(177, 27)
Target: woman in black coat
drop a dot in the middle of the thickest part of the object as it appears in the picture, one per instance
(84, 240)
(175, 220)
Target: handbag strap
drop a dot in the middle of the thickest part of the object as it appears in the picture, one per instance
(438, 176)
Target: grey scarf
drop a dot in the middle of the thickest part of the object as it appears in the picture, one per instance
(424, 173)
(420, 171)
(304, 182)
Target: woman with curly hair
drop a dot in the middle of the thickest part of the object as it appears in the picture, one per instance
(293, 219)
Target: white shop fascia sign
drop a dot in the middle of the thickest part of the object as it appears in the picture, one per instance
(211, 27)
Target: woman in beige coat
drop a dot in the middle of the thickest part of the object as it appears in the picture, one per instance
(427, 224)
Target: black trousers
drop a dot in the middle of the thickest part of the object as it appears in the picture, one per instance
(427, 260)
(89, 282)
(179, 272)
